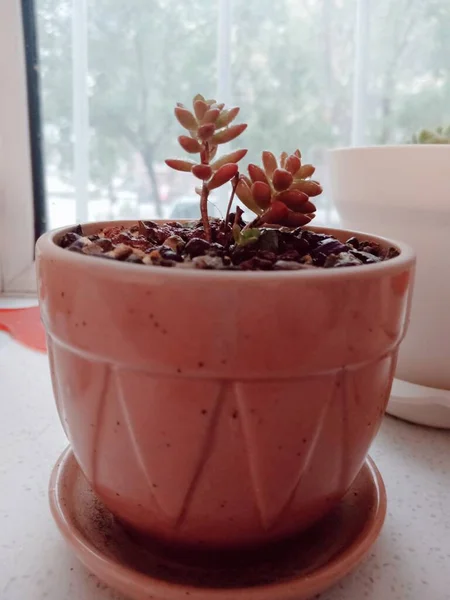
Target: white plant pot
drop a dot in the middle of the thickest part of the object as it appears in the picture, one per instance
(403, 192)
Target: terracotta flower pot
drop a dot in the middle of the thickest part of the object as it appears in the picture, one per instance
(220, 408)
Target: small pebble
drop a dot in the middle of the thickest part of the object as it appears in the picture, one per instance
(197, 247)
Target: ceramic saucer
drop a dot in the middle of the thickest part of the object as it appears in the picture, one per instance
(293, 570)
(420, 404)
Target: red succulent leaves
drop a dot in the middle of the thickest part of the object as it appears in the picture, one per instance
(211, 115)
(208, 122)
(223, 175)
(186, 118)
(294, 199)
(227, 116)
(245, 195)
(200, 108)
(269, 162)
(189, 144)
(279, 194)
(308, 186)
(232, 157)
(293, 164)
(277, 212)
(180, 165)
(257, 174)
(261, 193)
(209, 125)
(282, 180)
(228, 134)
(205, 132)
(202, 172)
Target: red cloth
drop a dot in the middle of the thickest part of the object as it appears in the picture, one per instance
(24, 325)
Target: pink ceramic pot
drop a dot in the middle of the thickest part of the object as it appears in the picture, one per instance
(220, 408)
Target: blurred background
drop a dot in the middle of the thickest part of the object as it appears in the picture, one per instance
(308, 74)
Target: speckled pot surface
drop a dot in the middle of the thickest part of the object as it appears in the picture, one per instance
(220, 408)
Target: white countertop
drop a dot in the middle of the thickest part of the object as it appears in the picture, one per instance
(411, 560)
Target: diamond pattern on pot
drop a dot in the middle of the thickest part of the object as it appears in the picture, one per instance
(281, 436)
(118, 477)
(80, 387)
(218, 459)
(171, 439)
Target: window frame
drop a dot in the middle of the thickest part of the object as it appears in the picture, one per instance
(22, 207)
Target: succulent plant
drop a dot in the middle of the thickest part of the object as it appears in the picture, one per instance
(279, 192)
(209, 125)
(441, 135)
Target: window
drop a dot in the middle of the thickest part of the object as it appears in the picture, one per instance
(308, 73)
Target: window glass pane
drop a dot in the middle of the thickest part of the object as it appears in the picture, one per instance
(290, 66)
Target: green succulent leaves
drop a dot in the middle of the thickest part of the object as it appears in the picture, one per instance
(441, 135)
(244, 237)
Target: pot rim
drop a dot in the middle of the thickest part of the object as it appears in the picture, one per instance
(47, 246)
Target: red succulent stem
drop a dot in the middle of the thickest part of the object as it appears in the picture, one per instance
(236, 180)
(204, 155)
(204, 211)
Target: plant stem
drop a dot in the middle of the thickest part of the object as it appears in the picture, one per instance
(233, 193)
(204, 197)
(204, 211)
